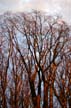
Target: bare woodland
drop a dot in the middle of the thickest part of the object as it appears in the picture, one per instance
(35, 62)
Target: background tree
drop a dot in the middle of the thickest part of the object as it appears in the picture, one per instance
(38, 61)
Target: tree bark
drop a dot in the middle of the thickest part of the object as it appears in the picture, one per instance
(45, 100)
(51, 97)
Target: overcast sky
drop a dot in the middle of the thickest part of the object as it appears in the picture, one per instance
(62, 7)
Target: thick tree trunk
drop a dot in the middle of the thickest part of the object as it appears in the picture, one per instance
(51, 97)
(64, 105)
(38, 101)
(45, 100)
(4, 101)
(33, 94)
(34, 100)
(39, 91)
(69, 101)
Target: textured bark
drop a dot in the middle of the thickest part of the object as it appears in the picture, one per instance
(34, 98)
(45, 101)
(38, 101)
(51, 97)
(4, 101)
(39, 91)
(69, 101)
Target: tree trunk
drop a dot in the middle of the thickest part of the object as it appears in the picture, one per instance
(38, 101)
(45, 100)
(51, 97)
(69, 101)
(33, 94)
(39, 91)
(4, 101)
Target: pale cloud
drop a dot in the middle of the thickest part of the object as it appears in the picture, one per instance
(9, 5)
(9, 2)
(62, 7)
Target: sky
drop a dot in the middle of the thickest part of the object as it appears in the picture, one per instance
(61, 7)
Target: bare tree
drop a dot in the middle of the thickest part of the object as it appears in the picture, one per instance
(38, 69)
